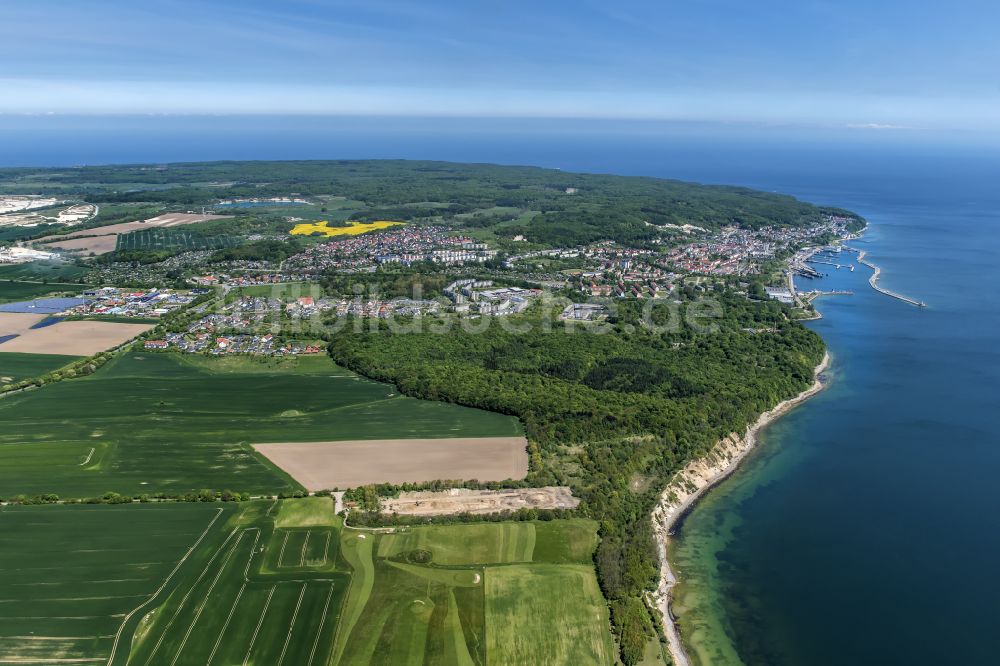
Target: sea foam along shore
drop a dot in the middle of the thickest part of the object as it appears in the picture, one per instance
(690, 483)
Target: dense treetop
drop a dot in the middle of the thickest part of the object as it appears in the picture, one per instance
(613, 414)
(568, 208)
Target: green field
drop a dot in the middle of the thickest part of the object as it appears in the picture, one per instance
(159, 422)
(70, 576)
(487, 543)
(54, 271)
(173, 239)
(306, 512)
(437, 595)
(279, 290)
(284, 583)
(257, 594)
(11, 291)
(517, 632)
(166, 584)
(15, 366)
(114, 319)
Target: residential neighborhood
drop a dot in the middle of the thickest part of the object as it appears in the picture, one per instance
(405, 246)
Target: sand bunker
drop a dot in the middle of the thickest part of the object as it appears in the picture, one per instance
(348, 464)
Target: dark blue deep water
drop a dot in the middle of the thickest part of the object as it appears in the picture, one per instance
(866, 528)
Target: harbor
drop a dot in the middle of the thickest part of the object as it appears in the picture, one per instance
(800, 265)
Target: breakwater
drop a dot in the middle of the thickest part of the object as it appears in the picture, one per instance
(877, 272)
(873, 281)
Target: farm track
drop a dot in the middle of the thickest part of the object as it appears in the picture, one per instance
(224, 599)
(235, 581)
(114, 648)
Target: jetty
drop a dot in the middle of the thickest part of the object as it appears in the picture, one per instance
(832, 263)
(841, 292)
(873, 280)
(810, 296)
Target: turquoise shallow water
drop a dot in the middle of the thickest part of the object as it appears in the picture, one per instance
(864, 531)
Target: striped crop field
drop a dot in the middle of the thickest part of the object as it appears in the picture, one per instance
(285, 583)
(172, 239)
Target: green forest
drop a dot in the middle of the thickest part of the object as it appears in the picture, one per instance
(612, 414)
(567, 208)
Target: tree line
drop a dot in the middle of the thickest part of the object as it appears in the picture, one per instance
(613, 416)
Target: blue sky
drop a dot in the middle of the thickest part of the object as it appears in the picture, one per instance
(868, 64)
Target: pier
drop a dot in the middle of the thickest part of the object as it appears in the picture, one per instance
(830, 293)
(873, 280)
(810, 296)
(832, 263)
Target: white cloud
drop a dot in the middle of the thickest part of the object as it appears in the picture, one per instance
(792, 108)
(876, 126)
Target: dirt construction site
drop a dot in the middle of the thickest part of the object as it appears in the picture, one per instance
(462, 500)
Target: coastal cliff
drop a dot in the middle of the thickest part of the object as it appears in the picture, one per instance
(690, 483)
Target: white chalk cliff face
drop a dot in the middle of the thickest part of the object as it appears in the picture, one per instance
(690, 483)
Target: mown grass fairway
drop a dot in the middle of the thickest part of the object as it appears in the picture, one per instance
(71, 575)
(420, 615)
(566, 541)
(16, 366)
(156, 422)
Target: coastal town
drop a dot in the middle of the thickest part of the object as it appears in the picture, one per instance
(603, 269)
(286, 318)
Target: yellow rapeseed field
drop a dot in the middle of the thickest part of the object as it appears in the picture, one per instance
(355, 228)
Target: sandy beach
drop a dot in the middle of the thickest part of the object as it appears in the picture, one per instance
(691, 483)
